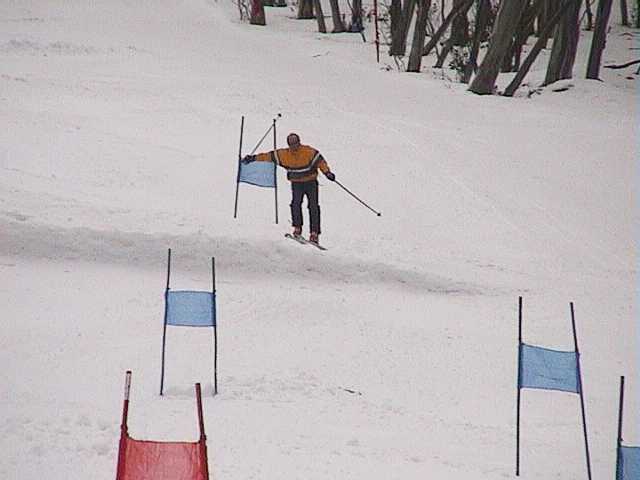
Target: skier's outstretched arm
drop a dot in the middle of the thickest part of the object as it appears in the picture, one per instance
(272, 156)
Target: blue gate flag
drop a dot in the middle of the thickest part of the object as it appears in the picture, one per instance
(628, 463)
(548, 369)
(191, 309)
(261, 174)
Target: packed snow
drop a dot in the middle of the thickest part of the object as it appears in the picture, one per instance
(390, 356)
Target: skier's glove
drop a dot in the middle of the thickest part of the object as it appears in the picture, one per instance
(331, 176)
(248, 159)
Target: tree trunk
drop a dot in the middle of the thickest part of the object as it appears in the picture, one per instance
(459, 28)
(638, 14)
(395, 12)
(539, 45)
(503, 31)
(542, 15)
(624, 13)
(524, 32)
(419, 33)
(446, 50)
(482, 18)
(338, 25)
(456, 10)
(508, 62)
(305, 9)
(599, 39)
(356, 17)
(565, 46)
(399, 35)
(543, 18)
(407, 15)
(257, 16)
(317, 7)
(589, 13)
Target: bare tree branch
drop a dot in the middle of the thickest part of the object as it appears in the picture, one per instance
(624, 65)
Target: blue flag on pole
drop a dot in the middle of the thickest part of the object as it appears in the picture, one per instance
(628, 463)
(191, 309)
(548, 369)
(261, 174)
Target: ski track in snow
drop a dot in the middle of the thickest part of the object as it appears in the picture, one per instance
(242, 257)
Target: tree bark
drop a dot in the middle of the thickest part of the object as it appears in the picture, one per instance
(399, 34)
(509, 58)
(460, 28)
(565, 46)
(539, 45)
(482, 18)
(305, 9)
(338, 25)
(356, 17)
(599, 39)
(637, 13)
(317, 7)
(444, 53)
(395, 13)
(506, 23)
(419, 33)
(407, 15)
(624, 13)
(257, 16)
(589, 13)
(542, 16)
(523, 33)
(456, 10)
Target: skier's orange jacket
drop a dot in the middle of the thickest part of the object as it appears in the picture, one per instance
(301, 165)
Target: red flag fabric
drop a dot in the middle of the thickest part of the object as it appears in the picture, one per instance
(148, 460)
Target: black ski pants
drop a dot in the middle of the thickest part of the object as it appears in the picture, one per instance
(298, 191)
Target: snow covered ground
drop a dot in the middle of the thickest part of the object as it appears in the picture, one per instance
(390, 356)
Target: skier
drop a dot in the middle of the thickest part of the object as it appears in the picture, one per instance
(302, 163)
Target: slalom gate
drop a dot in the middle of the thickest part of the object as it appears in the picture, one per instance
(151, 460)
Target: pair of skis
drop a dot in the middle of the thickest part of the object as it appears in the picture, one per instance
(304, 241)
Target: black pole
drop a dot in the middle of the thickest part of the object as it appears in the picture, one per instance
(275, 166)
(375, 19)
(356, 197)
(261, 140)
(235, 209)
(584, 416)
(619, 440)
(164, 331)
(215, 328)
(519, 380)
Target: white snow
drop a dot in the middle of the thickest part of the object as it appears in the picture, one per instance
(390, 356)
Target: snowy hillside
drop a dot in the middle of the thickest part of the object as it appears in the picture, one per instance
(390, 356)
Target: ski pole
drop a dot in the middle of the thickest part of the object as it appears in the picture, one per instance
(356, 197)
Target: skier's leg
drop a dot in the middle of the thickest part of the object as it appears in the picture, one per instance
(314, 206)
(297, 194)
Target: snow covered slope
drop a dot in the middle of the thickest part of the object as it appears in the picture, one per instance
(393, 354)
